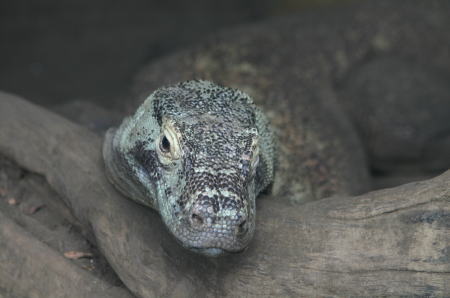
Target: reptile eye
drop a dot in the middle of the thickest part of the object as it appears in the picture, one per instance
(168, 144)
(164, 145)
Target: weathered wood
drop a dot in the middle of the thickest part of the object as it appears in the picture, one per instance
(37, 230)
(29, 268)
(390, 242)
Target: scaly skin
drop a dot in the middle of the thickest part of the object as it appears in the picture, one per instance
(199, 154)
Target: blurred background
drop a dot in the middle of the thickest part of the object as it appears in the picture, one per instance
(53, 51)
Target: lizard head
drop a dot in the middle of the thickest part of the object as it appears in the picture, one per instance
(192, 152)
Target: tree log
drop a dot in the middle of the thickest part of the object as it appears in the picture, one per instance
(35, 234)
(389, 242)
(29, 268)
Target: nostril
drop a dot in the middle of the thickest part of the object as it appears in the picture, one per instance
(196, 219)
(242, 227)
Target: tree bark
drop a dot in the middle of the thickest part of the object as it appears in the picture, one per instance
(389, 242)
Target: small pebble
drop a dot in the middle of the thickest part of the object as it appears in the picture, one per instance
(12, 201)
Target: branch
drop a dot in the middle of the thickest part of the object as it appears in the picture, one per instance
(390, 242)
(29, 268)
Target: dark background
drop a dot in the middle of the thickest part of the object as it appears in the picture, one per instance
(53, 51)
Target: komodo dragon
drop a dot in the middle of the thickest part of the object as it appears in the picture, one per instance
(302, 88)
(198, 153)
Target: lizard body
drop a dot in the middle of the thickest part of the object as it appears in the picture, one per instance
(303, 76)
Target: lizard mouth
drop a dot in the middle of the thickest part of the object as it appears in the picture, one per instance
(213, 251)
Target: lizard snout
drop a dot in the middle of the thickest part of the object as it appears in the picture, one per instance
(228, 223)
